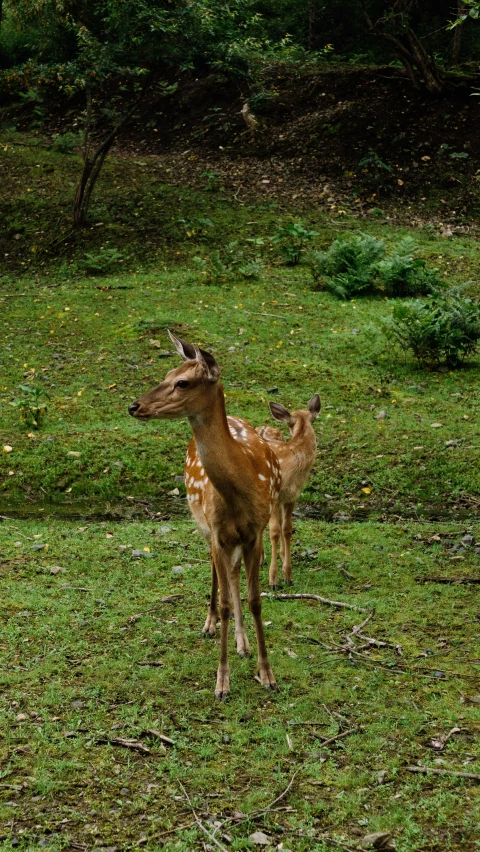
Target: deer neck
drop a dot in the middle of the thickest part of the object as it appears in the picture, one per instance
(217, 450)
(303, 437)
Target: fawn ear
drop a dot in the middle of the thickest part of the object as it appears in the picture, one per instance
(314, 406)
(189, 352)
(279, 412)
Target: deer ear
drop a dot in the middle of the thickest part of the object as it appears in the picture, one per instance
(279, 412)
(209, 364)
(184, 349)
(314, 406)
(189, 352)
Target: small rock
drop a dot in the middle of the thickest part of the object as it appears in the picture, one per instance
(435, 425)
(137, 554)
(77, 705)
(178, 569)
(270, 390)
(259, 838)
(179, 478)
(381, 415)
(468, 540)
(173, 493)
(21, 717)
(378, 840)
(74, 454)
(56, 569)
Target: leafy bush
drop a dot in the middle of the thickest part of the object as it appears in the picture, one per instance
(65, 143)
(102, 262)
(221, 265)
(291, 240)
(443, 329)
(356, 264)
(349, 267)
(374, 173)
(403, 274)
(31, 406)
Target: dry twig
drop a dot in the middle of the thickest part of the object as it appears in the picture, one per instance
(333, 739)
(199, 822)
(425, 769)
(302, 596)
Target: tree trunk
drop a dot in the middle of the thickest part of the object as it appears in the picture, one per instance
(457, 34)
(312, 25)
(93, 163)
(420, 66)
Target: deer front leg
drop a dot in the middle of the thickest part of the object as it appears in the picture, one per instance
(251, 555)
(275, 529)
(210, 626)
(287, 527)
(222, 688)
(241, 641)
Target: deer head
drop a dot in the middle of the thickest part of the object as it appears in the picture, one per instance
(184, 390)
(279, 412)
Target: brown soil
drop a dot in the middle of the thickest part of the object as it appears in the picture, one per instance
(313, 133)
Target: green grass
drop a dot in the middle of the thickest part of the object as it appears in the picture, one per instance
(87, 342)
(91, 485)
(72, 641)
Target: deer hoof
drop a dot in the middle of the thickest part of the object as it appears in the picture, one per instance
(288, 582)
(273, 588)
(221, 695)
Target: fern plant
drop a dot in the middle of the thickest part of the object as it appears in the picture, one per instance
(358, 263)
(349, 267)
(443, 329)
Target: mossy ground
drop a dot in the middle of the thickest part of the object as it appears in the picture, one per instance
(72, 640)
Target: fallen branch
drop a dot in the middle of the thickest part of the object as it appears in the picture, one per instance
(199, 822)
(327, 601)
(333, 739)
(453, 580)
(135, 745)
(425, 769)
(282, 795)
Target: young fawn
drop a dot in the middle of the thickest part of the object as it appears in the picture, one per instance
(296, 457)
(233, 480)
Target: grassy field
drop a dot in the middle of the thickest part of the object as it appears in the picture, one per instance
(104, 580)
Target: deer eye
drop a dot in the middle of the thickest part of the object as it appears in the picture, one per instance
(182, 383)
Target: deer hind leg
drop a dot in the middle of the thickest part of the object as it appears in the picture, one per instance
(252, 555)
(210, 626)
(241, 641)
(275, 529)
(287, 527)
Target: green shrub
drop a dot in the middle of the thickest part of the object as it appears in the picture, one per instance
(357, 264)
(349, 267)
(403, 274)
(65, 143)
(101, 262)
(291, 240)
(443, 329)
(30, 405)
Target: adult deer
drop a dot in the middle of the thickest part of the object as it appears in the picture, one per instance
(296, 457)
(233, 479)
